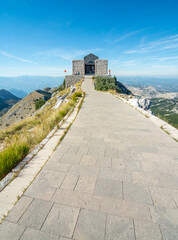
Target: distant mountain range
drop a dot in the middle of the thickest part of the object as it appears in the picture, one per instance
(7, 100)
(18, 93)
(29, 83)
(162, 85)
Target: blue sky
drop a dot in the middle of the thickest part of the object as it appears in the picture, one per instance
(138, 37)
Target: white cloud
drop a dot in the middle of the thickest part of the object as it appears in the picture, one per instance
(127, 35)
(162, 44)
(6, 54)
(66, 53)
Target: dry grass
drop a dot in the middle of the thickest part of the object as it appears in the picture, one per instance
(22, 137)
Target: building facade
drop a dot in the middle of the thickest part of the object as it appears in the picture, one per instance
(90, 65)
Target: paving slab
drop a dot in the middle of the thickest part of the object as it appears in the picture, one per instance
(118, 228)
(70, 182)
(50, 178)
(125, 208)
(31, 233)
(147, 231)
(36, 214)
(108, 188)
(40, 191)
(11, 231)
(19, 209)
(162, 197)
(162, 215)
(76, 199)
(137, 192)
(85, 184)
(115, 174)
(90, 225)
(61, 220)
(88, 160)
(169, 232)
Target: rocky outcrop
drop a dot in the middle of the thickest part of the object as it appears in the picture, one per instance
(142, 103)
(123, 89)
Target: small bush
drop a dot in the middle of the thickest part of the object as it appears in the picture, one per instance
(61, 87)
(76, 95)
(105, 83)
(110, 84)
(39, 103)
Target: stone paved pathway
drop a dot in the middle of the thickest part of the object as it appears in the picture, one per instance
(113, 177)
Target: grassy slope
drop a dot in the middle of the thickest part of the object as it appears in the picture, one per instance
(22, 137)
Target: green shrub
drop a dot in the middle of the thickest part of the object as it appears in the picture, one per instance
(105, 83)
(39, 103)
(61, 87)
(11, 156)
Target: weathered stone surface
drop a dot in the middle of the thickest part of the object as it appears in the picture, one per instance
(34, 234)
(78, 67)
(146, 178)
(115, 174)
(169, 232)
(61, 220)
(118, 163)
(70, 182)
(84, 170)
(138, 193)
(125, 208)
(162, 215)
(119, 228)
(19, 209)
(88, 160)
(9, 231)
(162, 197)
(50, 178)
(104, 162)
(101, 67)
(36, 214)
(52, 166)
(90, 225)
(85, 184)
(76, 199)
(108, 188)
(40, 191)
(71, 158)
(147, 231)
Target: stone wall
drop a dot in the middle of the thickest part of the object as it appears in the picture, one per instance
(101, 67)
(72, 80)
(78, 67)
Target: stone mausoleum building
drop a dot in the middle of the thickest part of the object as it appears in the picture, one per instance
(90, 65)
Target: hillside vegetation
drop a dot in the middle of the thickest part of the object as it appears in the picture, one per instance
(103, 83)
(166, 109)
(17, 140)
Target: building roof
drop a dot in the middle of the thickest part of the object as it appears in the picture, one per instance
(90, 58)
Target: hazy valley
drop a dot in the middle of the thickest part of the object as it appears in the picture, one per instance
(163, 94)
